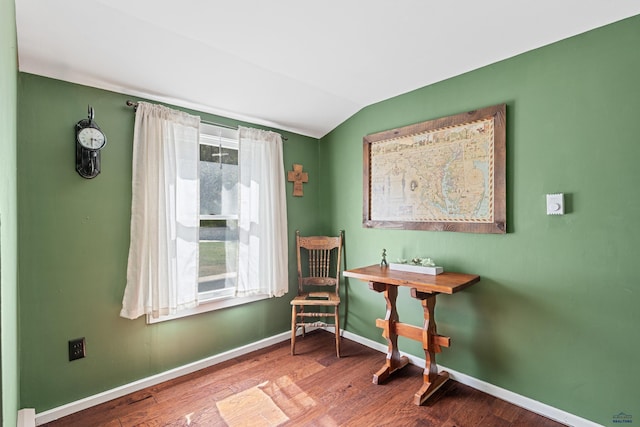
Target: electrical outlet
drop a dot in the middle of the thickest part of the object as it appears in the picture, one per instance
(77, 349)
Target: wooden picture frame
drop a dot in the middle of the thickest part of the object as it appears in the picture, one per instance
(446, 174)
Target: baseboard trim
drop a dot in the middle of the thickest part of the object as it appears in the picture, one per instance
(88, 402)
(26, 417)
(501, 393)
(509, 396)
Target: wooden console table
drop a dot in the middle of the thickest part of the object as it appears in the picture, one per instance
(424, 288)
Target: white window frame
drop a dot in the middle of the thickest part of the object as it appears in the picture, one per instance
(213, 300)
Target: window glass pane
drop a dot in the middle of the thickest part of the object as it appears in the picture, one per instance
(218, 180)
(218, 254)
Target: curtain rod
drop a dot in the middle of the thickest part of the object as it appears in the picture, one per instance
(135, 105)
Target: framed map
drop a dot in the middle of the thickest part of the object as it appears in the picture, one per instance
(446, 174)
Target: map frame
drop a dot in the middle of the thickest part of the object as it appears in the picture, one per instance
(496, 199)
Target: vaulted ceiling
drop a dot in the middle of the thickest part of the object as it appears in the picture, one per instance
(295, 65)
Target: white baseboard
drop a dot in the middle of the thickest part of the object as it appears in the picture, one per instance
(501, 393)
(511, 397)
(73, 407)
(26, 418)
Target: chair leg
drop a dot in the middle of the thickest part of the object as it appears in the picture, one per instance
(293, 329)
(337, 331)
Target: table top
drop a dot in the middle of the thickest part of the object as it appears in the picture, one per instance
(446, 283)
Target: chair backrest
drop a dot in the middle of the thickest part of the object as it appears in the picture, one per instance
(319, 259)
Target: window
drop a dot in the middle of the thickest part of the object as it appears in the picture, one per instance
(219, 182)
(208, 216)
(218, 266)
(218, 247)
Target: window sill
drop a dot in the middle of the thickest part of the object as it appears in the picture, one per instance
(210, 305)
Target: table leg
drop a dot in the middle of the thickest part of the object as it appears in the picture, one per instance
(394, 361)
(431, 343)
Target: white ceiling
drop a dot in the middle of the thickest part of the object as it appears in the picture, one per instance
(295, 65)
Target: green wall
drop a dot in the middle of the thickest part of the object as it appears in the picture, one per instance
(555, 316)
(74, 238)
(9, 390)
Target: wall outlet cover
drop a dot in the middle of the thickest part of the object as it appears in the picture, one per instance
(77, 349)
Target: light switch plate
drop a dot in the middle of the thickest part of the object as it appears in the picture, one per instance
(555, 204)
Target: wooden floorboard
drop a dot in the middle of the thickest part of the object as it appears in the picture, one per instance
(269, 387)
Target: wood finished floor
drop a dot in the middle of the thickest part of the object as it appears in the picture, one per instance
(314, 388)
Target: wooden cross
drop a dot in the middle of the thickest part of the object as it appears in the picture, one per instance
(297, 177)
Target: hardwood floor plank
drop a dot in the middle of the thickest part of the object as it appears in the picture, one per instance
(270, 387)
(473, 413)
(505, 410)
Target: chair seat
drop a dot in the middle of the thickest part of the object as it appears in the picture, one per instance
(316, 298)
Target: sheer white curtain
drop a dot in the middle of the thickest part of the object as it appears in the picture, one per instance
(162, 271)
(262, 222)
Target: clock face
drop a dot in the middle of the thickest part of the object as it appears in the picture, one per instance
(91, 138)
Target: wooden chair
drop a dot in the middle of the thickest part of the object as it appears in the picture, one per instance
(318, 285)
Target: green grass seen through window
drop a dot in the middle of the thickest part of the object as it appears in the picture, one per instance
(213, 258)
